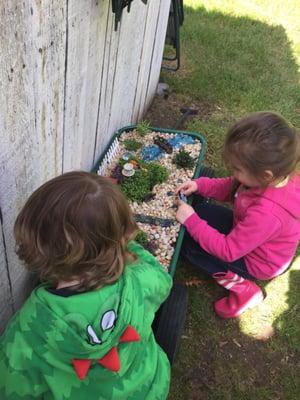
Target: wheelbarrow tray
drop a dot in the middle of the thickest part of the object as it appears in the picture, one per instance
(197, 169)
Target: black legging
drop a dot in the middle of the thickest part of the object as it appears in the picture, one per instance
(220, 218)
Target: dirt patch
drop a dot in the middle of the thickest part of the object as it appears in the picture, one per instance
(250, 364)
(165, 111)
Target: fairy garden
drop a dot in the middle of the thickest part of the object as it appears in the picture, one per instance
(149, 165)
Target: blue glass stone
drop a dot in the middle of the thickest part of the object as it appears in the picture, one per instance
(150, 153)
(179, 140)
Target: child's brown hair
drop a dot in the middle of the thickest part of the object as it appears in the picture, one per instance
(75, 227)
(263, 141)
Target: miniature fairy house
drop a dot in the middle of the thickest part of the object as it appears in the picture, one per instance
(71, 73)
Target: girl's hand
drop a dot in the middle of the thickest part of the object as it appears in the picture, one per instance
(184, 211)
(187, 188)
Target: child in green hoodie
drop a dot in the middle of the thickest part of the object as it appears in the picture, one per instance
(85, 333)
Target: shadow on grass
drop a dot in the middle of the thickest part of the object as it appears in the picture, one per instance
(232, 66)
(241, 63)
(218, 361)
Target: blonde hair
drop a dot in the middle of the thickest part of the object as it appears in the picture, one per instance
(75, 227)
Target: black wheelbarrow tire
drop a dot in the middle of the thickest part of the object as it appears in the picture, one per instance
(169, 321)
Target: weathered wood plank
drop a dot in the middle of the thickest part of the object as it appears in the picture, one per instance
(127, 70)
(32, 37)
(87, 25)
(107, 83)
(131, 44)
(6, 306)
(158, 51)
(145, 62)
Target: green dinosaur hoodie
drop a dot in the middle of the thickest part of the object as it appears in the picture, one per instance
(108, 330)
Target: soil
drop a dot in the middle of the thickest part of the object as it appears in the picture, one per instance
(165, 111)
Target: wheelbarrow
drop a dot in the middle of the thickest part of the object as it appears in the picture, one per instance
(170, 318)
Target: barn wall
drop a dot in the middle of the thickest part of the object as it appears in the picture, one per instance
(68, 80)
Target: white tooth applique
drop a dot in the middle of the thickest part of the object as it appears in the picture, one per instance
(108, 320)
(93, 336)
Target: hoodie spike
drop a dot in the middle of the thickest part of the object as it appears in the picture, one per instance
(130, 335)
(111, 360)
(81, 367)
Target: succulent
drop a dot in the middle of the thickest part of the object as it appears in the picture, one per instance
(141, 237)
(183, 160)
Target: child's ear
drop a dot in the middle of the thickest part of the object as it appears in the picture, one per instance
(268, 175)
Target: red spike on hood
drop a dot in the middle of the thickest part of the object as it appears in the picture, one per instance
(81, 367)
(130, 335)
(111, 360)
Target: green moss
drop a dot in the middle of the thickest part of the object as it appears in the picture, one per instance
(158, 173)
(136, 187)
(132, 145)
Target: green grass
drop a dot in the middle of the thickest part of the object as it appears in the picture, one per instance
(239, 57)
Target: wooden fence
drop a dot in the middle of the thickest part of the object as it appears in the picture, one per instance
(68, 80)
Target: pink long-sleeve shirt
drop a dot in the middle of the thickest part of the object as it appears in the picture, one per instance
(266, 225)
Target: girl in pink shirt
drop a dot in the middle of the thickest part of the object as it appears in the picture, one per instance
(258, 238)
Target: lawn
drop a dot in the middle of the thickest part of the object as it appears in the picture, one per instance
(238, 57)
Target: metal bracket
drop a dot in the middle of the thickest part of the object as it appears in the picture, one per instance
(117, 9)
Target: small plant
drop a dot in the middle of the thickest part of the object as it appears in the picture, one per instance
(158, 173)
(183, 160)
(141, 238)
(143, 128)
(132, 145)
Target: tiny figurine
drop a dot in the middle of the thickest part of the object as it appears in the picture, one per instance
(134, 163)
(182, 197)
(128, 170)
(163, 144)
